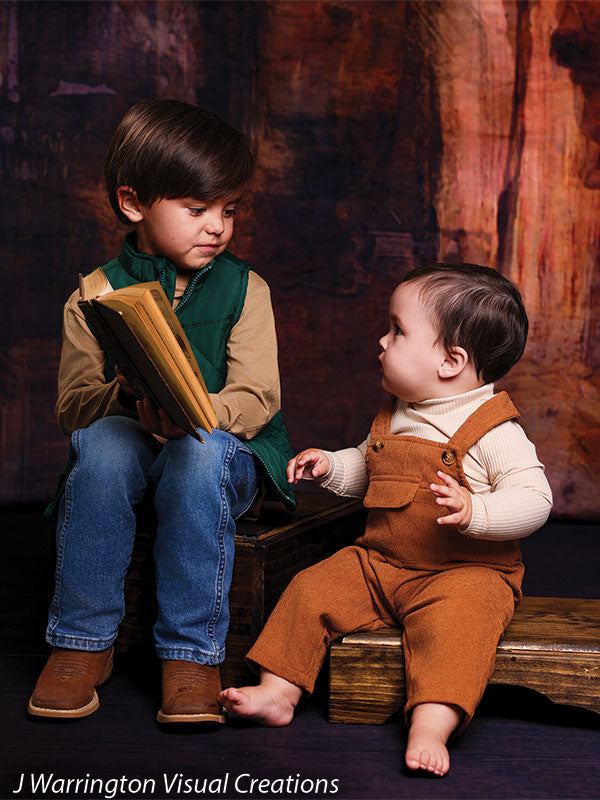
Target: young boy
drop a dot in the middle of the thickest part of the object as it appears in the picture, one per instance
(443, 439)
(176, 172)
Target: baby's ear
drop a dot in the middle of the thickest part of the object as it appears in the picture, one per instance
(129, 204)
(454, 362)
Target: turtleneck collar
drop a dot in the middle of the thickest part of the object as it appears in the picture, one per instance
(145, 267)
(443, 405)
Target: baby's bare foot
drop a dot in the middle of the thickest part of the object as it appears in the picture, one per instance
(427, 750)
(264, 703)
(431, 725)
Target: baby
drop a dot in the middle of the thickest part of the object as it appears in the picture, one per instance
(443, 440)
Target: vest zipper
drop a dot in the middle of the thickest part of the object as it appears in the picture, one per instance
(190, 288)
(270, 474)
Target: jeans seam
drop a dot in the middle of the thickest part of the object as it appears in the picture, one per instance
(243, 448)
(252, 499)
(80, 642)
(212, 658)
(60, 545)
(210, 628)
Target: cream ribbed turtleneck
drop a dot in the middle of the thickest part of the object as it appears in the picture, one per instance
(512, 497)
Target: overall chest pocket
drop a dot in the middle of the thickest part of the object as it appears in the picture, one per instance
(389, 493)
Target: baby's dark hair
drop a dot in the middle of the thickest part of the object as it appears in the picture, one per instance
(166, 149)
(478, 309)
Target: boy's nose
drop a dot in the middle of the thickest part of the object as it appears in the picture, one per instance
(214, 223)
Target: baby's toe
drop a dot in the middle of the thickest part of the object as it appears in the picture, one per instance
(445, 765)
(412, 757)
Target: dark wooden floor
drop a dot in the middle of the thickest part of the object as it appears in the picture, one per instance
(519, 745)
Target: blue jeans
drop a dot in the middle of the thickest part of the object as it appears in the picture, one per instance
(200, 489)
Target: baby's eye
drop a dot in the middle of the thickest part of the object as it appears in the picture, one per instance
(397, 330)
(196, 211)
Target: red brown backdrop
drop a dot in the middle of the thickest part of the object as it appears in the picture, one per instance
(386, 133)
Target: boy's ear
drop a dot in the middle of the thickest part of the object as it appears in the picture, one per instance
(129, 204)
(454, 362)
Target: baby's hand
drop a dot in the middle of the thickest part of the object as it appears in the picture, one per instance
(310, 463)
(456, 499)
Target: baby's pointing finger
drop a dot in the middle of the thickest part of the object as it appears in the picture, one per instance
(448, 480)
(443, 491)
(451, 501)
(451, 519)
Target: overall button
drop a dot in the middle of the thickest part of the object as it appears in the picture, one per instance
(378, 444)
(448, 457)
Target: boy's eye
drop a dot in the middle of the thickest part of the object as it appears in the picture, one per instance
(230, 212)
(196, 211)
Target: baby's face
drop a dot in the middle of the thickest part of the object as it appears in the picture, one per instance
(410, 355)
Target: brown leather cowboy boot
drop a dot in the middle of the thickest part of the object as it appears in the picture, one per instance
(190, 693)
(66, 687)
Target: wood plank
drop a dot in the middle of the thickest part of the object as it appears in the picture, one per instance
(312, 508)
(552, 646)
(564, 623)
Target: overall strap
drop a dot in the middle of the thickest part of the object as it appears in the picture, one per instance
(381, 423)
(493, 412)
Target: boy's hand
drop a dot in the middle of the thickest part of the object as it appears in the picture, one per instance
(157, 421)
(152, 421)
(456, 499)
(122, 380)
(309, 463)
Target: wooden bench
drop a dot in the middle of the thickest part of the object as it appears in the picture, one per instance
(552, 645)
(268, 553)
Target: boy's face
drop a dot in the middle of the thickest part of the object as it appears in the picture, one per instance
(188, 231)
(410, 358)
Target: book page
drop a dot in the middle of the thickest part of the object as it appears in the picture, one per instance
(94, 285)
(119, 340)
(138, 320)
(173, 341)
(163, 304)
(139, 291)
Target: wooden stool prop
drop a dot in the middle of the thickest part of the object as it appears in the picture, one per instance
(268, 553)
(552, 645)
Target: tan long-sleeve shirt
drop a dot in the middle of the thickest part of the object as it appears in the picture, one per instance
(512, 497)
(251, 395)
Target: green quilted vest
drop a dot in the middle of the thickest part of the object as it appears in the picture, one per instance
(210, 307)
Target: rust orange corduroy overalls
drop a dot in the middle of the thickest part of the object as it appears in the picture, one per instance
(453, 595)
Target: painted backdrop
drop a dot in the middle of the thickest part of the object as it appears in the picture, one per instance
(387, 134)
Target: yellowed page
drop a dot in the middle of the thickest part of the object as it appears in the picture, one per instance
(139, 291)
(94, 285)
(138, 320)
(173, 341)
(160, 298)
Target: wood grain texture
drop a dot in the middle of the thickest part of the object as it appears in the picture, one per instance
(552, 646)
(519, 98)
(386, 135)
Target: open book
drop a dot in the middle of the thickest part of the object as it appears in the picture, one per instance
(139, 330)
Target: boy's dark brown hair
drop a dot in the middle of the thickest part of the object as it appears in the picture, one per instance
(478, 309)
(166, 149)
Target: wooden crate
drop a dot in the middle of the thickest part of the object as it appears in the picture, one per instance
(268, 553)
(552, 645)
